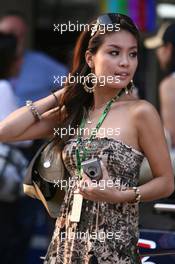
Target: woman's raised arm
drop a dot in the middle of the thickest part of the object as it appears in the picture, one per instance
(21, 124)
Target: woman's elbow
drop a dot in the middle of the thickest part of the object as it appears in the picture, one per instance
(3, 133)
(169, 189)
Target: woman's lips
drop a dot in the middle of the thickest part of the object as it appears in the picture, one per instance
(122, 75)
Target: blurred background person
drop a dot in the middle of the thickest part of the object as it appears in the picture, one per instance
(36, 78)
(164, 43)
(15, 233)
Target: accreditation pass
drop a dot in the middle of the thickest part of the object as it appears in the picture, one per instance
(76, 207)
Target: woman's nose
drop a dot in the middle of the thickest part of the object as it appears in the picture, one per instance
(124, 62)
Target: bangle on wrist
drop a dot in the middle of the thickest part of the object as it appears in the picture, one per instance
(56, 99)
(137, 194)
(33, 110)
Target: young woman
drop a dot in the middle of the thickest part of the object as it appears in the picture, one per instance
(128, 129)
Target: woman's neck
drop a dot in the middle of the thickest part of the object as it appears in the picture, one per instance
(102, 96)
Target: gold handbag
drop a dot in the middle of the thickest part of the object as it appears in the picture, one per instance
(43, 175)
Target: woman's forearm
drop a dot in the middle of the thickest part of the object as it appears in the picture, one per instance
(22, 119)
(159, 187)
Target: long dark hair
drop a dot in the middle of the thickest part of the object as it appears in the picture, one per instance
(76, 100)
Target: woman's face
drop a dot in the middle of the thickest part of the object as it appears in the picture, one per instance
(116, 59)
(164, 55)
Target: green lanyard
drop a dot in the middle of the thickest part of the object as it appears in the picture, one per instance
(79, 159)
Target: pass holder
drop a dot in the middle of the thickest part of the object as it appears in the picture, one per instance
(76, 207)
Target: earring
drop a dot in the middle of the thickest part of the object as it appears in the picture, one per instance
(132, 86)
(89, 79)
(126, 90)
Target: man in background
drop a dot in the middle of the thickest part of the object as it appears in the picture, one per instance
(36, 78)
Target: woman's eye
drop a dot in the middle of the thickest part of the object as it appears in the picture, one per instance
(133, 54)
(114, 53)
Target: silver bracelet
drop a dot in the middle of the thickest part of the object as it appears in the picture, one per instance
(137, 194)
(33, 110)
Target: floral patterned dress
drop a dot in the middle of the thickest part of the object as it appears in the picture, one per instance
(107, 233)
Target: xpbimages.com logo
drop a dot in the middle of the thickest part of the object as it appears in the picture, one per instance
(75, 183)
(71, 79)
(72, 27)
(101, 235)
(102, 131)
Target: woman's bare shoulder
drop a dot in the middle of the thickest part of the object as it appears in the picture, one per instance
(143, 107)
(144, 112)
(139, 106)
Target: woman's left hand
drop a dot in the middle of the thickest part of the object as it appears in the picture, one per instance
(102, 191)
